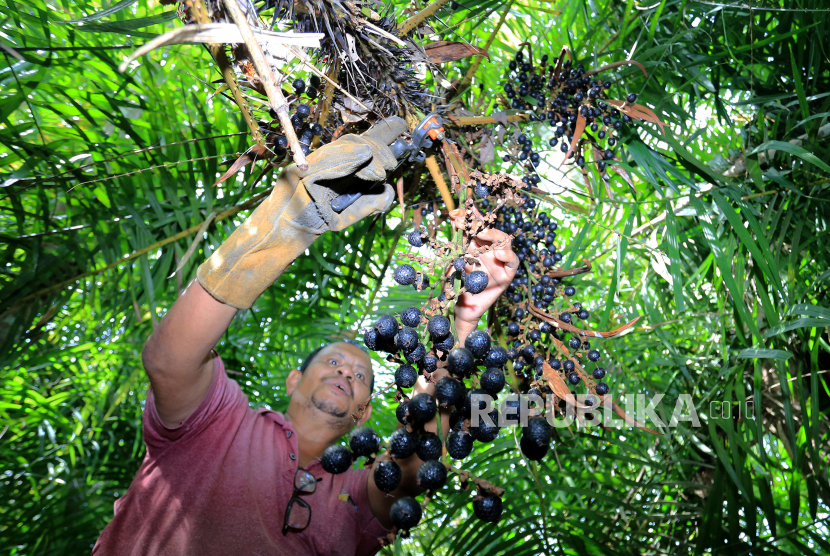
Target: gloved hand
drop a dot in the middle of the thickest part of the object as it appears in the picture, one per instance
(298, 211)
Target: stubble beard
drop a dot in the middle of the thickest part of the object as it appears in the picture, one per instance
(337, 417)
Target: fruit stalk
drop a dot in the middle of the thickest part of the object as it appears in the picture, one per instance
(413, 22)
(266, 75)
(438, 177)
(199, 13)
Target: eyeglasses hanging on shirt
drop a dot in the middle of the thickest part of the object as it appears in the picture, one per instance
(298, 512)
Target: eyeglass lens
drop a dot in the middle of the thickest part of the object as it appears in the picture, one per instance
(299, 514)
(305, 481)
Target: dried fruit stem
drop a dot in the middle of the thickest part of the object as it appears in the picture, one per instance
(272, 90)
(438, 177)
(328, 96)
(419, 17)
(199, 13)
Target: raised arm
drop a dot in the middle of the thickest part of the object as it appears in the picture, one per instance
(177, 355)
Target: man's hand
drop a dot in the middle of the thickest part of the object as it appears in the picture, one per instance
(500, 264)
(298, 211)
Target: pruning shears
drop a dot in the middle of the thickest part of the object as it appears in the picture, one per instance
(428, 130)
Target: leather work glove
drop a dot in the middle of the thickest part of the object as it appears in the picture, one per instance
(298, 211)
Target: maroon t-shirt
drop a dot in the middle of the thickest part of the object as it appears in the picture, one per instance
(220, 483)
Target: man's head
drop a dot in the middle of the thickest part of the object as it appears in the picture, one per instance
(332, 381)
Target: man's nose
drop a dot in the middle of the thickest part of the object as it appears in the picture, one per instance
(346, 371)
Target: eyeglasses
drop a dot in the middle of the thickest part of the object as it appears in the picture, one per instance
(298, 512)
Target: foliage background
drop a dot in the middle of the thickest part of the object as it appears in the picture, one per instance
(720, 247)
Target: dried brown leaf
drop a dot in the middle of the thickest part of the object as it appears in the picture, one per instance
(560, 389)
(256, 152)
(580, 128)
(450, 51)
(638, 112)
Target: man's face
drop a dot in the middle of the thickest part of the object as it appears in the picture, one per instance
(338, 379)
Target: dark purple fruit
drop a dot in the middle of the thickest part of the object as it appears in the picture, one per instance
(533, 451)
(456, 419)
(411, 317)
(422, 408)
(406, 376)
(492, 380)
(403, 444)
(537, 431)
(430, 363)
(432, 475)
(303, 111)
(496, 357)
(405, 513)
(593, 355)
(438, 327)
(599, 373)
(406, 339)
(449, 392)
(417, 355)
(404, 275)
(445, 345)
(364, 442)
(459, 444)
(336, 459)
(476, 281)
(387, 476)
(401, 412)
(487, 507)
(460, 362)
(370, 338)
(478, 342)
(601, 389)
(414, 238)
(486, 432)
(429, 447)
(387, 327)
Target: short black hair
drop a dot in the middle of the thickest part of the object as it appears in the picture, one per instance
(310, 357)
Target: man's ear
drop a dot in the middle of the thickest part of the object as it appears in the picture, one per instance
(366, 414)
(292, 380)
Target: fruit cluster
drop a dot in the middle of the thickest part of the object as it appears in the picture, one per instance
(537, 312)
(301, 120)
(586, 124)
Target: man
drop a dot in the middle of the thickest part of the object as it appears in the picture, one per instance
(222, 478)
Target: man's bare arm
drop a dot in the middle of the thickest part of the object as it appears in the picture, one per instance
(177, 356)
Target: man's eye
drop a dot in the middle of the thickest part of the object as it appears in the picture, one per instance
(359, 375)
(333, 361)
